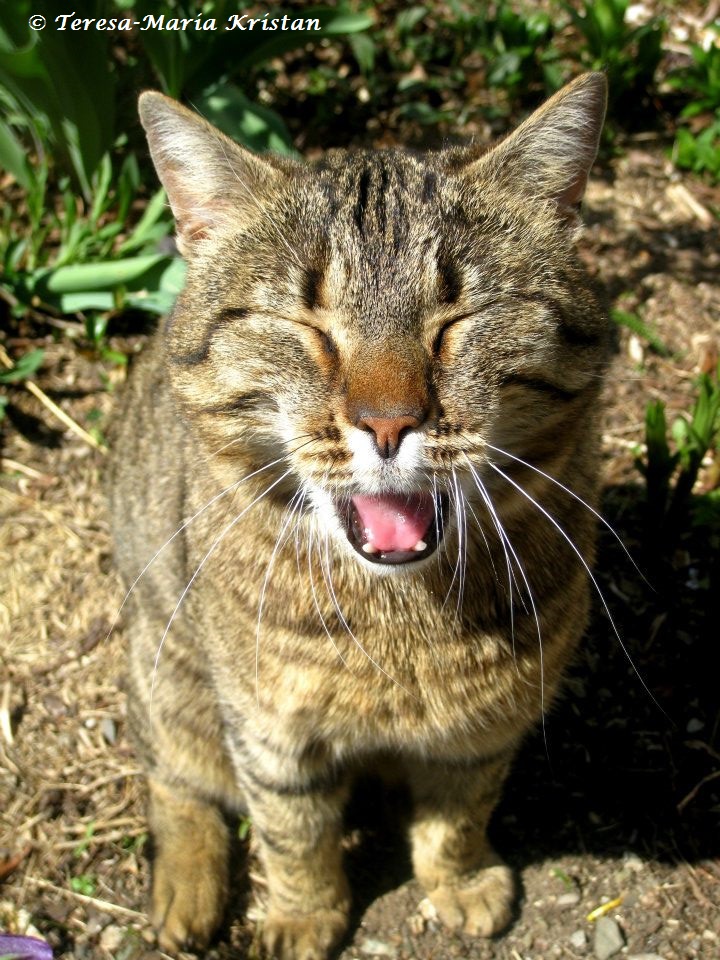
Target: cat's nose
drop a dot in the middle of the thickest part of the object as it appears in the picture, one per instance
(389, 431)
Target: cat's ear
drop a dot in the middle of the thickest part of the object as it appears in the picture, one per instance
(549, 156)
(211, 182)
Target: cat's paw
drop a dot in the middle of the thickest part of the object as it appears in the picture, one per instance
(479, 903)
(186, 907)
(308, 937)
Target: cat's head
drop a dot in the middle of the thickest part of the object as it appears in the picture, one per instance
(384, 320)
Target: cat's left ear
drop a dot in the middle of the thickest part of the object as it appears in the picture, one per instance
(549, 156)
(212, 183)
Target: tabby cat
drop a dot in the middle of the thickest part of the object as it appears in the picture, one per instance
(350, 470)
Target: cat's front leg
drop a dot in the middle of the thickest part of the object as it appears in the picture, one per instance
(190, 872)
(296, 807)
(467, 882)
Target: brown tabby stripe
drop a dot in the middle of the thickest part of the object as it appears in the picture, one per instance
(380, 206)
(312, 288)
(243, 402)
(271, 842)
(257, 785)
(429, 186)
(573, 334)
(202, 351)
(543, 386)
(450, 279)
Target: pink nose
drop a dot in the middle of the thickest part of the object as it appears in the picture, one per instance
(389, 431)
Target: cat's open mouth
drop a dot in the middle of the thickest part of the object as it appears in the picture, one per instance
(394, 528)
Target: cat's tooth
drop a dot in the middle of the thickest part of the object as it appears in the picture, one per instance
(369, 548)
(419, 546)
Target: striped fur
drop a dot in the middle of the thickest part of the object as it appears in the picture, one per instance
(270, 662)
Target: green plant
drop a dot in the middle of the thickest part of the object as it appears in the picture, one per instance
(83, 844)
(671, 471)
(58, 90)
(519, 51)
(630, 55)
(697, 145)
(699, 152)
(63, 99)
(16, 373)
(638, 326)
(700, 78)
(84, 883)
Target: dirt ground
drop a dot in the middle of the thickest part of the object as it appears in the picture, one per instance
(615, 807)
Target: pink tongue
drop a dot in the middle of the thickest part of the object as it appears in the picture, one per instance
(395, 521)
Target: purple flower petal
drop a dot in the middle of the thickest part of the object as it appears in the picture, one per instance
(24, 948)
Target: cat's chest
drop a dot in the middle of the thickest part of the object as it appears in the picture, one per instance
(305, 644)
(364, 693)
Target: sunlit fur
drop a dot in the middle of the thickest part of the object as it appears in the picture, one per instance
(270, 661)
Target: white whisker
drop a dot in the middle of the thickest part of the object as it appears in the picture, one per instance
(575, 496)
(279, 542)
(586, 566)
(186, 523)
(199, 567)
(346, 626)
(314, 593)
(503, 535)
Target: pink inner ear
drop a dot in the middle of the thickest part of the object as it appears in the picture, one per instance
(572, 196)
(191, 229)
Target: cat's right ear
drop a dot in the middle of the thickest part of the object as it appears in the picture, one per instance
(212, 183)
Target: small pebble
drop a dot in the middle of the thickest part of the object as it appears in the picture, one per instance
(426, 909)
(568, 899)
(108, 729)
(111, 938)
(645, 956)
(578, 940)
(377, 948)
(608, 939)
(631, 861)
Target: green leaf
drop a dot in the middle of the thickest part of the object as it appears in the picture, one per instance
(13, 157)
(84, 884)
(101, 187)
(333, 23)
(96, 276)
(633, 322)
(23, 368)
(407, 19)
(149, 228)
(66, 87)
(364, 49)
(80, 302)
(258, 128)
